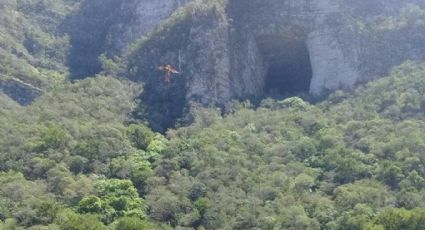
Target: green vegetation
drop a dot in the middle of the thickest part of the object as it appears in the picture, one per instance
(31, 49)
(410, 15)
(73, 160)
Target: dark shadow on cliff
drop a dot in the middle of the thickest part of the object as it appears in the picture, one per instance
(162, 106)
(19, 91)
(289, 70)
(88, 30)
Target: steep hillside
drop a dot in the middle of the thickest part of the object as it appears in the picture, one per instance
(252, 49)
(110, 27)
(355, 161)
(272, 114)
(223, 49)
(33, 52)
(31, 47)
(351, 162)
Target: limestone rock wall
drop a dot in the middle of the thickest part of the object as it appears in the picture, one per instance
(138, 18)
(110, 27)
(222, 51)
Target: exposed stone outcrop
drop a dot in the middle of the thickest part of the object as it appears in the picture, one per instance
(19, 91)
(109, 27)
(225, 49)
(138, 18)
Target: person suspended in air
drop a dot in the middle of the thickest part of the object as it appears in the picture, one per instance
(168, 71)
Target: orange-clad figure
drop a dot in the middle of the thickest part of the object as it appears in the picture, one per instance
(168, 71)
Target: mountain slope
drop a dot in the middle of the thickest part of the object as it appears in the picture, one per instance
(346, 163)
(31, 47)
(81, 154)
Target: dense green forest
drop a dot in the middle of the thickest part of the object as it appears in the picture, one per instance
(73, 160)
(77, 159)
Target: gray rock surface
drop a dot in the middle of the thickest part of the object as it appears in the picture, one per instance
(226, 49)
(110, 27)
(140, 17)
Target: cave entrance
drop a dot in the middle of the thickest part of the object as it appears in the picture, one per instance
(288, 67)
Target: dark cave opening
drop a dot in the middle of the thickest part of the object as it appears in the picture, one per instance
(289, 70)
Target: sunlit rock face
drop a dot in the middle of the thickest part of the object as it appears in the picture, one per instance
(250, 49)
(296, 43)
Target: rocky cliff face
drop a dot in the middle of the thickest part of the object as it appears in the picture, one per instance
(109, 27)
(242, 49)
(18, 90)
(253, 48)
(142, 17)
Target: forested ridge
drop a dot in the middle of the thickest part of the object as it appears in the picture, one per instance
(73, 159)
(77, 157)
